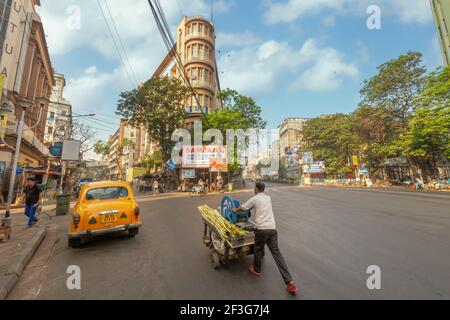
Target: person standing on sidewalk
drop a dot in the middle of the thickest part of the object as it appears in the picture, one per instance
(32, 195)
(266, 234)
(155, 188)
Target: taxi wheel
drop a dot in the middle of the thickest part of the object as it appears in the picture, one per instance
(75, 243)
(133, 232)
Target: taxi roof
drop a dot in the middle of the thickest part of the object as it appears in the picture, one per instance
(102, 184)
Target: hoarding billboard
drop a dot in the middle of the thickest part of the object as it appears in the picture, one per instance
(199, 156)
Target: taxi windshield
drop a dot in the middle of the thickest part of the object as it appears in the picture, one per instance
(107, 193)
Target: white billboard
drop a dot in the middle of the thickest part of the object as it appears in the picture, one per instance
(199, 156)
(71, 150)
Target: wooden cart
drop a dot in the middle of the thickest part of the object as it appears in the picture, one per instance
(225, 250)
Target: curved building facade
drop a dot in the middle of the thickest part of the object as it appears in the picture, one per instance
(196, 48)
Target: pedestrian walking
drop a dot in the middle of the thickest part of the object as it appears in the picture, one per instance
(31, 195)
(155, 187)
(266, 234)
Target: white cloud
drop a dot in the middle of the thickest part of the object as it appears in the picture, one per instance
(329, 21)
(287, 11)
(222, 6)
(327, 72)
(291, 10)
(258, 69)
(242, 39)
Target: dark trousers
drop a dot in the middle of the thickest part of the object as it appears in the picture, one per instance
(30, 212)
(270, 238)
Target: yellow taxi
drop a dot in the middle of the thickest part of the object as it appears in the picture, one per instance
(104, 207)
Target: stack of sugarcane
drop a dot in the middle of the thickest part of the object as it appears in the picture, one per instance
(224, 227)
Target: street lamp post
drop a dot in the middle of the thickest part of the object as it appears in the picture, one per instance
(24, 105)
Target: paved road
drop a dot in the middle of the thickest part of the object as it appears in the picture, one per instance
(329, 237)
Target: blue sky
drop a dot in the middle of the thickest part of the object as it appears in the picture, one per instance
(297, 58)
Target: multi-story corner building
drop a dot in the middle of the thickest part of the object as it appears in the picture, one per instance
(28, 80)
(291, 134)
(196, 48)
(59, 115)
(441, 13)
(132, 154)
(290, 144)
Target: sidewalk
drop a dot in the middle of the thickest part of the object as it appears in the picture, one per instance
(18, 251)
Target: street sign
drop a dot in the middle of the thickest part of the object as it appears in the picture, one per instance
(71, 150)
(56, 149)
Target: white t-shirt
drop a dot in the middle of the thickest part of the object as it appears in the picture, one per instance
(262, 214)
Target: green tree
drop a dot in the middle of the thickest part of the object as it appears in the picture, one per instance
(239, 112)
(158, 105)
(331, 138)
(396, 86)
(388, 101)
(114, 153)
(427, 138)
(243, 105)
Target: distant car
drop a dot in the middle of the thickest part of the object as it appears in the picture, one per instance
(104, 207)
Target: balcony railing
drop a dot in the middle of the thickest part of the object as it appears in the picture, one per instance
(202, 83)
(200, 58)
(197, 109)
(200, 35)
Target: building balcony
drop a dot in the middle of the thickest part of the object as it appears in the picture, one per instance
(199, 36)
(200, 84)
(200, 58)
(195, 110)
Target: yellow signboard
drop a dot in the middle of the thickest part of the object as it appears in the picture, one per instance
(355, 160)
(157, 157)
(2, 84)
(3, 125)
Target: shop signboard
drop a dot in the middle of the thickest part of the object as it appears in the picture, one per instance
(314, 168)
(363, 171)
(188, 174)
(218, 165)
(199, 156)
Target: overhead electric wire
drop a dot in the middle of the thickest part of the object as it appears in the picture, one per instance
(163, 28)
(121, 43)
(116, 46)
(99, 121)
(179, 7)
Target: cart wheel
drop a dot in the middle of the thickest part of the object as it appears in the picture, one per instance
(215, 260)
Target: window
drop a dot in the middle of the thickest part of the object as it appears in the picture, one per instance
(194, 51)
(200, 74)
(50, 130)
(52, 115)
(200, 28)
(107, 193)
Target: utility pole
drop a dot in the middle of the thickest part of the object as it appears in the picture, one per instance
(24, 105)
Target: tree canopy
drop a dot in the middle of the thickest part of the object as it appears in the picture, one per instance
(157, 105)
